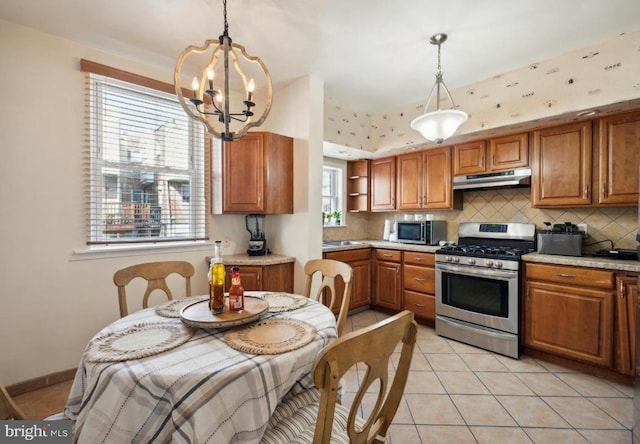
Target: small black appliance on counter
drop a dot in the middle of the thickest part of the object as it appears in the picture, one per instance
(257, 242)
(563, 239)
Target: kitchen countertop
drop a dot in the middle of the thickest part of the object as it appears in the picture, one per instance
(258, 261)
(583, 261)
(371, 243)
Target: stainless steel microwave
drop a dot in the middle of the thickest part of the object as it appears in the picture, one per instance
(423, 232)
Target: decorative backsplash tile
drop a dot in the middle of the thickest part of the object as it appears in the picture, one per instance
(615, 225)
(599, 75)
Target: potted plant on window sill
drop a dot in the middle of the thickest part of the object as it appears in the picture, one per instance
(336, 215)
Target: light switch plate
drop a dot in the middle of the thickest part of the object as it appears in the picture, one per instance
(582, 227)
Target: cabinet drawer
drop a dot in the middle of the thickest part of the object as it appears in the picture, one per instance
(422, 305)
(349, 255)
(388, 255)
(411, 257)
(584, 277)
(419, 278)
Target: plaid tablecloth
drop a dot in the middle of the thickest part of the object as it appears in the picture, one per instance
(200, 392)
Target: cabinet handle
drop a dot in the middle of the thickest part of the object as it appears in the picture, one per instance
(493, 159)
(482, 162)
(419, 305)
(419, 279)
(418, 259)
(386, 255)
(604, 190)
(622, 290)
(565, 275)
(586, 192)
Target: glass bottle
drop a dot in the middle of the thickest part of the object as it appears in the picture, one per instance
(236, 292)
(216, 280)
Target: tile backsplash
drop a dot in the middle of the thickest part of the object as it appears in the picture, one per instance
(608, 225)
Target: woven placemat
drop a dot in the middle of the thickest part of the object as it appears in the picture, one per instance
(172, 309)
(279, 302)
(271, 336)
(137, 341)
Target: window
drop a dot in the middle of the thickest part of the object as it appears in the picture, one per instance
(146, 179)
(332, 194)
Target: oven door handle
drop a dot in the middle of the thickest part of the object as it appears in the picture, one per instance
(482, 272)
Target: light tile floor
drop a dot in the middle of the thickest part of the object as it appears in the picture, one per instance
(457, 393)
(461, 394)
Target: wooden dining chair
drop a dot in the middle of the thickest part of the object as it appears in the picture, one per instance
(329, 269)
(9, 410)
(294, 420)
(156, 274)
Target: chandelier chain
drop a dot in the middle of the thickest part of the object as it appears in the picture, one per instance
(226, 23)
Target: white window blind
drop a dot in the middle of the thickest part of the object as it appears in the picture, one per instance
(146, 176)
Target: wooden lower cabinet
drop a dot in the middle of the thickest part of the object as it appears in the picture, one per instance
(569, 311)
(388, 279)
(360, 261)
(419, 276)
(277, 277)
(625, 323)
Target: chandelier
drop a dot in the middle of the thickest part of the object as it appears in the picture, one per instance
(224, 95)
(440, 124)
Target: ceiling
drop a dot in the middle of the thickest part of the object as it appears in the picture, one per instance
(373, 55)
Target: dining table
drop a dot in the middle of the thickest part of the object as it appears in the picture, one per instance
(158, 375)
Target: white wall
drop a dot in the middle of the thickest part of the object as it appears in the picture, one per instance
(52, 304)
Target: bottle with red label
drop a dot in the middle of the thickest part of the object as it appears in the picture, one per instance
(236, 292)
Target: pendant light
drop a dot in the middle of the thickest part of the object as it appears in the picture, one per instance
(226, 111)
(439, 125)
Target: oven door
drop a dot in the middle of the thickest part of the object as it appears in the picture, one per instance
(481, 296)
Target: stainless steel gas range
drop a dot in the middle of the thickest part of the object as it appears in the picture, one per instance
(478, 285)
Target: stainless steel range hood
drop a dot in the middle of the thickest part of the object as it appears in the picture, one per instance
(520, 177)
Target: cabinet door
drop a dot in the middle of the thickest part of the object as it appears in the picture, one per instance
(251, 278)
(469, 158)
(277, 277)
(361, 286)
(569, 321)
(509, 152)
(383, 184)
(625, 328)
(409, 189)
(387, 275)
(619, 149)
(438, 183)
(561, 163)
(243, 173)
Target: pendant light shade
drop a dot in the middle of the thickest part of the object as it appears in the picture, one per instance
(439, 125)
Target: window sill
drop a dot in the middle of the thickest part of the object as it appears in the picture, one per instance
(333, 226)
(109, 251)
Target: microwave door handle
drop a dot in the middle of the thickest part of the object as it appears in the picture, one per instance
(423, 232)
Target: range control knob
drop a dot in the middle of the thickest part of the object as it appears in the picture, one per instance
(456, 259)
(498, 264)
(448, 258)
(489, 263)
(472, 261)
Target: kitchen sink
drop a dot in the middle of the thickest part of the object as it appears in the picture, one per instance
(340, 243)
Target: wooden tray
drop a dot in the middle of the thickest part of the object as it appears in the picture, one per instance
(198, 314)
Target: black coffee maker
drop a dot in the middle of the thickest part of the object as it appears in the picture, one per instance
(257, 242)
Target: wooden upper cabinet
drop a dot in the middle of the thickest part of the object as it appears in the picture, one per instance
(619, 158)
(383, 184)
(497, 154)
(424, 180)
(358, 185)
(258, 174)
(409, 181)
(561, 166)
(438, 182)
(470, 158)
(508, 152)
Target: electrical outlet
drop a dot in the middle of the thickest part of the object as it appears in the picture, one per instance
(582, 227)
(226, 242)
